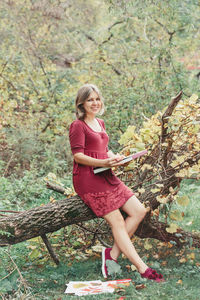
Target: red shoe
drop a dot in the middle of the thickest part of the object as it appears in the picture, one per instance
(152, 275)
(105, 256)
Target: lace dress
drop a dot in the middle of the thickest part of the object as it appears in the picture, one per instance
(102, 192)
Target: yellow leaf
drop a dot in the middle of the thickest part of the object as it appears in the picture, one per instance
(147, 245)
(140, 146)
(162, 199)
(191, 256)
(155, 190)
(133, 268)
(52, 200)
(176, 215)
(179, 281)
(51, 176)
(160, 185)
(172, 228)
(171, 189)
(193, 98)
(97, 248)
(183, 200)
(182, 260)
(146, 167)
(142, 190)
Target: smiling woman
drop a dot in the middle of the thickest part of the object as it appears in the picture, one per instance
(104, 193)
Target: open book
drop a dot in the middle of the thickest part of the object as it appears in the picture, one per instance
(124, 160)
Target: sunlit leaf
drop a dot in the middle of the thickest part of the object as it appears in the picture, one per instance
(147, 245)
(172, 228)
(176, 215)
(183, 200)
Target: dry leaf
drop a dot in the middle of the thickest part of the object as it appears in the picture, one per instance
(140, 286)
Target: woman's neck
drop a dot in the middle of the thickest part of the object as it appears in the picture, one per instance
(89, 118)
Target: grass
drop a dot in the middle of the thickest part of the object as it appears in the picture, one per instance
(44, 280)
(29, 273)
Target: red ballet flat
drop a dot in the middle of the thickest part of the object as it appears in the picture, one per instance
(152, 275)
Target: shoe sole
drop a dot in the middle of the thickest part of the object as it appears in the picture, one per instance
(103, 263)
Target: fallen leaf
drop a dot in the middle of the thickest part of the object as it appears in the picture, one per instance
(128, 267)
(97, 248)
(183, 200)
(140, 286)
(179, 281)
(133, 268)
(191, 256)
(182, 260)
(113, 267)
(172, 228)
(147, 245)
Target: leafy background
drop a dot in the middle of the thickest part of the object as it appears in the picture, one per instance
(140, 54)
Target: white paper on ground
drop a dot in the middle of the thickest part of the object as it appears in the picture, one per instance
(81, 288)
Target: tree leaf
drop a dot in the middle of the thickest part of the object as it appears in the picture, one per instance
(172, 228)
(176, 215)
(147, 245)
(113, 267)
(183, 200)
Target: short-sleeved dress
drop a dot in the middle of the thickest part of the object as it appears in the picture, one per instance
(102, 192)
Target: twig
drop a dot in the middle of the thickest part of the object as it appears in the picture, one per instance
(8, 274)
(11, 211)
(8, 164)
(50, 249)
(55, 187)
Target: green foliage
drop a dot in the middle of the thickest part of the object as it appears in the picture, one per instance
(136, 52)
(29, 191)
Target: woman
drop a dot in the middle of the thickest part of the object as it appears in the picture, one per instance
(104, 193)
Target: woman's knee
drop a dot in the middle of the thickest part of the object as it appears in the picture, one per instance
(142, 212)
(115, 220)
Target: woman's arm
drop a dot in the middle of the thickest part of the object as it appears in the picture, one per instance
(83, 159)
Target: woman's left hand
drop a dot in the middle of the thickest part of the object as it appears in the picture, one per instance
(119, 159)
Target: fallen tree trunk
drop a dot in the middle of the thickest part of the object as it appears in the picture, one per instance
(45, 219)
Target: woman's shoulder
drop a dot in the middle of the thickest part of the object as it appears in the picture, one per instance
(77, 124)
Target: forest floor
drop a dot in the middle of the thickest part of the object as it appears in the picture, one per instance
(27, 272)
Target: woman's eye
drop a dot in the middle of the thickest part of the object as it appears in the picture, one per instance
(90, 100)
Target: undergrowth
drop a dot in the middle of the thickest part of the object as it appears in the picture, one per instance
(27, 271)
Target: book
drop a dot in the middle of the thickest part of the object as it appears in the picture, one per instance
(124, 160)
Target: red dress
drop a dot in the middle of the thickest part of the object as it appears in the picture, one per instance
(102, 192)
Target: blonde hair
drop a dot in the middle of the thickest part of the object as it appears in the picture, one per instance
(82, 95)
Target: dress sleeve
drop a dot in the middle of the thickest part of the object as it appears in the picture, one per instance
(77, 137)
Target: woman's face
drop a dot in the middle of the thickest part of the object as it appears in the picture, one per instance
(93, 104)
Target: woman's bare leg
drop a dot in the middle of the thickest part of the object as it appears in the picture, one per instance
(122, 239)
(136, 212)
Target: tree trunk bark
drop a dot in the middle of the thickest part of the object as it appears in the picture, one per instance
(42, 220)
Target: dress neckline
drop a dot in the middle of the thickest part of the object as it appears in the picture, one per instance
(93, 129)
